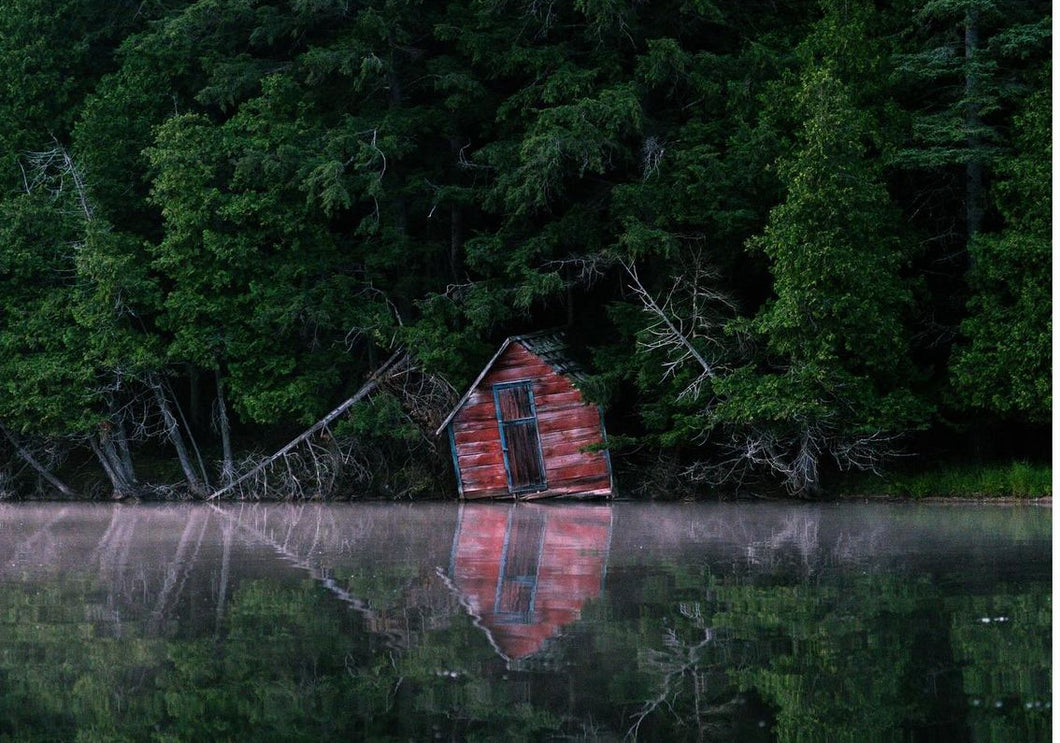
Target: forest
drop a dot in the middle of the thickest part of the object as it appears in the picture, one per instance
(792, 240)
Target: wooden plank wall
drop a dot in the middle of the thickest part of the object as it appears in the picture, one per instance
(565, 423)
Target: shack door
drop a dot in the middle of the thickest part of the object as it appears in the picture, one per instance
(517, 420)
(520, 562)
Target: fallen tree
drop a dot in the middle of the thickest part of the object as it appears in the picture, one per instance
(312, 464)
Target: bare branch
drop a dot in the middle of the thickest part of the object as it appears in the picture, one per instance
(651, 154)
(24, 453)
(673, 334)
(585, 270)
(51, 170)
(285, 453)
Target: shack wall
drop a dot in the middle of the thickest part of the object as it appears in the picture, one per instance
(565, 424)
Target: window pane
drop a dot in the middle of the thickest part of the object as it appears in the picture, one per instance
(514, 402)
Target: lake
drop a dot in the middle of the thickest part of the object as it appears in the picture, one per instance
(751, 621)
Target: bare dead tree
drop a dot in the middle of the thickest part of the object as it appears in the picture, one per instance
(682, 323)
(794, 455)
(651, 155)
(316, 461)
(582, 270)
(29, 458)
(686, 326)
(427, 398)
(291, 470)
(197, 481)
(130, 416)
(55, 171)
(224, 429)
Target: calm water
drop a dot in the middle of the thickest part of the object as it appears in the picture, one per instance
(708, 622)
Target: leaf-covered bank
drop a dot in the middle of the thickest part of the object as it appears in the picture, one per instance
(793, 240)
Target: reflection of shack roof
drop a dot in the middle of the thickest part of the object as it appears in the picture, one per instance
(525, 572)
(549, 345)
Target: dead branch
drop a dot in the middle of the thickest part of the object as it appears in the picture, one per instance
(51, 170)
(427, 398)
(672, 331)
(223, 426)
(796, 455)
(32, 461)
(364, 391)
(584, 270)
(678, 660)
(651, 155)
(173, 432)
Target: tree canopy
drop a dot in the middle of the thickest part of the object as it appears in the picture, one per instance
(789, 236)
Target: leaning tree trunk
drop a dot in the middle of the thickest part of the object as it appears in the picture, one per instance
(122, 482)
(41, 470)
(370, 385)
(119, 437)
(176, 438)
(225, 430)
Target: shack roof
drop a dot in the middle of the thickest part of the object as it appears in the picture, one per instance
(549, 345)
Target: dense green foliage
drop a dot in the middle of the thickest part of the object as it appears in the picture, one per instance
(788, 234)
(1009, 480)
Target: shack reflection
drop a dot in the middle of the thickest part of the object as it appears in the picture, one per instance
(525, 571)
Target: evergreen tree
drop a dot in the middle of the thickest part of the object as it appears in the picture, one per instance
(835, 378)
(1002, 367)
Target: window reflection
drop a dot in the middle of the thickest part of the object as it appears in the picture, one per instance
(525, 571)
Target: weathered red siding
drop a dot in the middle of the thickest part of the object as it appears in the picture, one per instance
(568, 570)
(565, 425)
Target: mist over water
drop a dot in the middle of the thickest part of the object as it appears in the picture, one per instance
(747, 622)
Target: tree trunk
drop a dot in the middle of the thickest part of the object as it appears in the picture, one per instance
(191, 440)
(103, 448)
(973, 169)
(365, 389)
(224, 429)
(122, 446)
(175, 437)
(122, 458)
(29, 459)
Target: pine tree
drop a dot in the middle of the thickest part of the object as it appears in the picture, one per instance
(833, 380)
(1002, 367)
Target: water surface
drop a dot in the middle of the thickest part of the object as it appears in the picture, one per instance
(726, 622)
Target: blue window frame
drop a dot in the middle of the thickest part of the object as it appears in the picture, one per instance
(524, 464)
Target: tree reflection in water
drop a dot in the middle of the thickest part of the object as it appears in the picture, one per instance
(545, 622)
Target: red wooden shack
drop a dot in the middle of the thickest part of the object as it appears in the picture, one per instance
(524, 572)
(522, 430)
